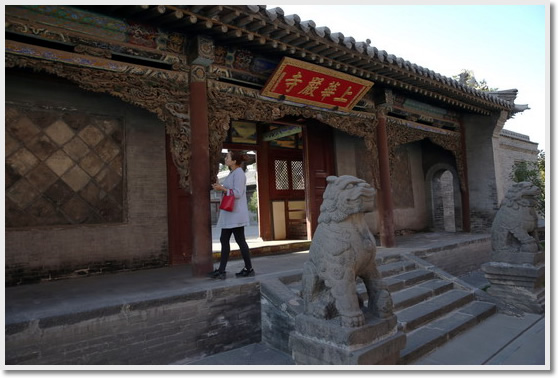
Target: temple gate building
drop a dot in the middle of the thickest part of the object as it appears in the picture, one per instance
(116, 118)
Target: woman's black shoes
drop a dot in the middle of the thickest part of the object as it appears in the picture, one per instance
(217, 275)
(246, 273)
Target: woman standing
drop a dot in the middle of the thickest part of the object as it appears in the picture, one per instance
(233, 222)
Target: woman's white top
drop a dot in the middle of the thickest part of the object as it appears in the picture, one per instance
(239, 217)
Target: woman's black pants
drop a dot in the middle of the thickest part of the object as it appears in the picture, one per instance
(226, 247)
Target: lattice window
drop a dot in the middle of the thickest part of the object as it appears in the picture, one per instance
(62, 168)
(289, 175)
(297, 171)
(281, 175)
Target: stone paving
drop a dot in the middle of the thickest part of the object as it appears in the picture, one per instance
(517, 340)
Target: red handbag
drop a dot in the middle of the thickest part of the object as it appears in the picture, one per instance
(227, 203)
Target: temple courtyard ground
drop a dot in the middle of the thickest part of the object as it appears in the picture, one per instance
(502, 339)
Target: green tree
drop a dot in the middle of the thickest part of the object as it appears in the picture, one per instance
(533, 172)
(467, 77)
(253, 203)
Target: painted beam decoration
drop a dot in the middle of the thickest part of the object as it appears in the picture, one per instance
(281, 132)
(310, 84)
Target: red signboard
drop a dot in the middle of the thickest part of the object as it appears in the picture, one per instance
(310, 84)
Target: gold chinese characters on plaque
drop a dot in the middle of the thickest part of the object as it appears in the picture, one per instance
(310, 84)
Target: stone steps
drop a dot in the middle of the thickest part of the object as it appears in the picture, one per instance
(430, 309)
(417, 315)
(432, 335)
(397, 267)
(431, 306)
(416, 294)
(407, 279)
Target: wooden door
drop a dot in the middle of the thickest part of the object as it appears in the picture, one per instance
(319, 164)
(287, 189)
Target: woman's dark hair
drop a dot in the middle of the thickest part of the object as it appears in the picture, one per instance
(240, 158)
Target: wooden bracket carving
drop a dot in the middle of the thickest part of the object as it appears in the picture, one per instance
(202, 50)
(399, 133)
(228, 103)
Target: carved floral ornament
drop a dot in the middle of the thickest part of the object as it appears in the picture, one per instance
(399, 133)
(228, 103)
(164, 93)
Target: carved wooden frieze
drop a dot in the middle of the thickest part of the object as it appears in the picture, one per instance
(228, 102)
(405, 107)
(166, 48)
(164, 93)
(401, 132)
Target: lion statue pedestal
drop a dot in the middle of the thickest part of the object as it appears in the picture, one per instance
(516, 272)
(335, 327)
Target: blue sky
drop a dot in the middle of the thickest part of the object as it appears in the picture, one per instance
(502, 44)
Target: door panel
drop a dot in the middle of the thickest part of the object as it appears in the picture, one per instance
(319, 157)
(287, 174)
(287, 193)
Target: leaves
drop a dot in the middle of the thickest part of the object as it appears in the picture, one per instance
(533, 172)
(467, 77)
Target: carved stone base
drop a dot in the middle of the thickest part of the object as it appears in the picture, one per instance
(521, 285)
(326, 342)
(518, 257)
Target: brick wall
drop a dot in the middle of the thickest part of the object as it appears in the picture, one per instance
(134, 237)
(413, 217)
(514, 147)
(481, 150)
(350, 159)
(280, 306)
(408, 182)
(157, 332)
(443, 202)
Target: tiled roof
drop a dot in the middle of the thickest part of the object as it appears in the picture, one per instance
(271, 31)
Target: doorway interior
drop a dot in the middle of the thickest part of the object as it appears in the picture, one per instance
(276, 181)
(444, 199)
(288, 172)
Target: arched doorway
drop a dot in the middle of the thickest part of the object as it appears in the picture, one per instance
(443, 204)
(444, 199)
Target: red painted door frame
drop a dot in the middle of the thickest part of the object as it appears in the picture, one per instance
(319, 163)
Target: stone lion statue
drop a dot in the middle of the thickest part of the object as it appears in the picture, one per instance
(515, 224)
(343, 249)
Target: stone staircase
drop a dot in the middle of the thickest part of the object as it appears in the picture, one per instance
(431, 306)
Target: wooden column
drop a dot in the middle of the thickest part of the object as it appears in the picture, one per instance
(179, 215)
(387, 230)
(201, 55)
(199, 174)
(265, 223)
(466, 209)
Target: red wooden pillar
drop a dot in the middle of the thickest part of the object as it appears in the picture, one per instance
(387, 230)
(265, 223)
(179, 215)
(466, 209)
(199, 173)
